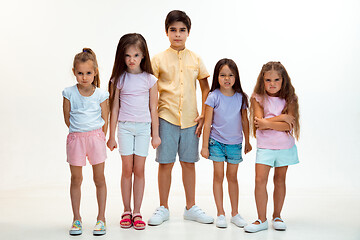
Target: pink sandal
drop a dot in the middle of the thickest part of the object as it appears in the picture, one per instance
(138, 222)
(126, 222)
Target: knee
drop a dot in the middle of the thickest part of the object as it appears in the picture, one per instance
(76, 180)
(279, 180)
(166, 168)
(218, 177)
(127, 173)
(231, 177)
(260, 181)
(188, 166)
(99, 180)
(139, 172)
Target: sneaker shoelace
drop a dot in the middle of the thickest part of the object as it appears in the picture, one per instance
(159, 211)
(76, 225)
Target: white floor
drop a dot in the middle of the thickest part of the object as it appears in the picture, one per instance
(45, 213)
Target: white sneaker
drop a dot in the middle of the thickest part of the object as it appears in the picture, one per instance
(196, 214)
(221, 222)
(280, 226)
(238, 221)
(252, 228)
(160, 215)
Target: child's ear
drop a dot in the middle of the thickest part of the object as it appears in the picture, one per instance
(96, 71)
(73, 70)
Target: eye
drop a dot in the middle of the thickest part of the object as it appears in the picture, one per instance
(89, 73)
(183, 30)
(136, 55)
(231, 75)
(127, 55)
(80, 73)
(276, 80)
(267, 80)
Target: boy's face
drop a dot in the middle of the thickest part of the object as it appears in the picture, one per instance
(177, 33)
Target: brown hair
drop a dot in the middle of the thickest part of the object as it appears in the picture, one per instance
(177, 16)
(286, 92)
(84, 56)
(237, 85)
(120, 66)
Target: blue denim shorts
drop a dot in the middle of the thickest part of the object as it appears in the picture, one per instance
(176, 140)
(221, 152)
(277, 157)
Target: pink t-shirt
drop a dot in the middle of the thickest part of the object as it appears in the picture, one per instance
(272, 139)
(134, 96)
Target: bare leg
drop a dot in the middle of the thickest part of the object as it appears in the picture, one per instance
(233, 187)
(139, 184)
(188, 177)
(100, 183)
(126, 181)
(218, 186)
(164, 181)
(279, 190)
(261, 196)
(75, 190)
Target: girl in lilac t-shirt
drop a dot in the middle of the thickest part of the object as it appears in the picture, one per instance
(225, 122)
(133, 102)
(275, 119)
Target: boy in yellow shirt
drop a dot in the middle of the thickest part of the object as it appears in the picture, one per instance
(180, 125)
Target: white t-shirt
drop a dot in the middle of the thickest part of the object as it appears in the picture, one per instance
(85, 112)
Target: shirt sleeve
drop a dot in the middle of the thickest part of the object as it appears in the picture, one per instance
(155, 66)
(103, 95)
(203, 73)
(210, 100)
(66, 93)
(152, 81)
(257, 98)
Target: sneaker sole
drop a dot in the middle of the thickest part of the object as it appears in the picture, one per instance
(75, 232)
(157, 224)
(195, 220)
(99, 233)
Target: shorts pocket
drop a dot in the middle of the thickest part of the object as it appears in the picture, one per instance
(212, 142)
(101, 136)
(70, 138)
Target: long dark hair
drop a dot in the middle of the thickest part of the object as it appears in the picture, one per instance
(120, 66)
(84, 56)
(237, 85)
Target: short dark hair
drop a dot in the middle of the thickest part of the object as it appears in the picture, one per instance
(177, 16)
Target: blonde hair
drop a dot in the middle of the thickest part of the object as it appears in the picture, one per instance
(84, 56)
(286, 92)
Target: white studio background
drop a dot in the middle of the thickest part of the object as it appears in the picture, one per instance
(317, 41)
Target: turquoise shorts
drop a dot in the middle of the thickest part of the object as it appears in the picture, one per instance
(277, 157)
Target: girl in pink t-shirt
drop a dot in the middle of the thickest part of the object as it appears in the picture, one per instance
(274, 116)
(133, 104)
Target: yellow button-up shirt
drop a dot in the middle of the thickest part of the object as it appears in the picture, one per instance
(177, 72)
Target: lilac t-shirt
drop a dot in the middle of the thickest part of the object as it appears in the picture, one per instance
(134, 96)
(226, 125)
(272, 139)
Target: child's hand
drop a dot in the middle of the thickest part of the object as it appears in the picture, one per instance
(205, 152)
(111, 144)
(155, 142)
(248, 147)
(260, 123)
(200, 121)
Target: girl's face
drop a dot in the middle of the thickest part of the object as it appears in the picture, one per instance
(133, 57)
(226, 78)
(85, 73)
(272, 82)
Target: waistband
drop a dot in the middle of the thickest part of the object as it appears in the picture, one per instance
(85, 134)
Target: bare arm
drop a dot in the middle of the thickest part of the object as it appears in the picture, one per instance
(155, 139)
(105, 114)
(204, 86)
(209, 111)
(246, 130)
(66, 110)
(113, 121)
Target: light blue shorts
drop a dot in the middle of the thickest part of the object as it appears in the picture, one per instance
(176, 140)
(221, 152)
(278, 157)
(134, 138)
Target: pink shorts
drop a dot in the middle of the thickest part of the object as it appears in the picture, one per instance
(80, 145)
